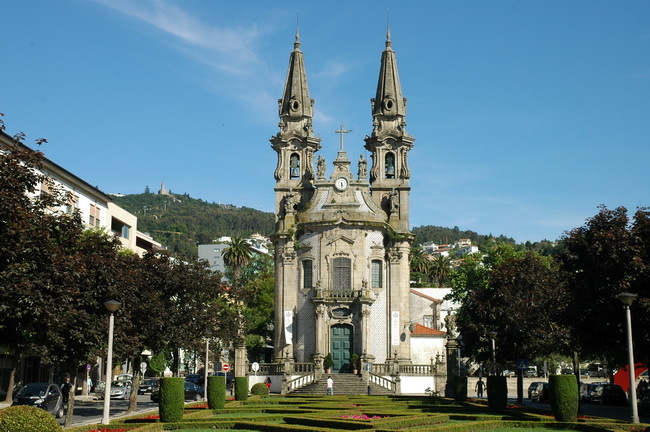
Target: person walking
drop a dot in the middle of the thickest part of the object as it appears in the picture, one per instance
(479, 387)
(330, 386)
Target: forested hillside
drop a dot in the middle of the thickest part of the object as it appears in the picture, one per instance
(441, 235)
(181, 222)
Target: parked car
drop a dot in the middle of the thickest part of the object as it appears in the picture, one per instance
(148, 385)
(540, 393)
(192, 392)
(609, 394)
(124, 377)
(531, 372)
(43, 395)
(120, 389)
(533, 387)
(509, 373)
(586, 389)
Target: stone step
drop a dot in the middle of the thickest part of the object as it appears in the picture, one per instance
(344, 384)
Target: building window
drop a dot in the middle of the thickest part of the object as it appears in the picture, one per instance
(375, 274)
(427, 321)
(119, 228)
(342, 275)
(94, 219)
(294, 166)
(307, 274)
(390, 165)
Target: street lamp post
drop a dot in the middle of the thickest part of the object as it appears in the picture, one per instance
(627, 299)
(112, 306)
(493, 336)
(207, 352)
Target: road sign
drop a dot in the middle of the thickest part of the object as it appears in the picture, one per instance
(88, 367)
(522, 364)
(143, 367)
(225, 367)
(255, 367)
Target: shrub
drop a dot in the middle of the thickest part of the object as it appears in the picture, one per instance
(25, 418)
(460, 388)
(216, 392)
(241, 388)
(563, 395)
(328, 362)
(172, 399)
(260, 389)
(497, 391)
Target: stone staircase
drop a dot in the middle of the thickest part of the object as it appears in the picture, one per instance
(344, 384)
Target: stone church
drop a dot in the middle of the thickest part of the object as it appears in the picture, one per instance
(342, 239)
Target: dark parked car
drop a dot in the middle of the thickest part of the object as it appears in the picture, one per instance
(587, 389)
(192, 392)
(540, 393)
(148, 385)
(194, 378)
(609, 394)
(533, 386)
(43, 395)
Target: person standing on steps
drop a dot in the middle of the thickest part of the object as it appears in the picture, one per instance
(330, 385)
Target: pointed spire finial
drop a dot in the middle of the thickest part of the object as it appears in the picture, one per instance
(296, 44)
(388, 41)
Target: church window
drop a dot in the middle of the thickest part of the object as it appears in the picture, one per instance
(307, 274)
(294, 166)
(375, 274)
(390, 165)
(342, 275)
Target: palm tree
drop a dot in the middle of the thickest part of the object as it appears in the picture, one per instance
(237, 256)
(418, 261)
(440, 269)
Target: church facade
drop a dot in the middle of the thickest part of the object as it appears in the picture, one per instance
(342, 240)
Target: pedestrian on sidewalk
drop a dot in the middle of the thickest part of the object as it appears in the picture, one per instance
(480, 385)
(330, 386)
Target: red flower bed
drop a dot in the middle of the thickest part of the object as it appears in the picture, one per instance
(110, 429)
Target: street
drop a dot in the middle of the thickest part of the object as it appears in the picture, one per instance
(588, 409)
(89, 411)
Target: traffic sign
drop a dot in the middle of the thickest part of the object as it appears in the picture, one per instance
(522, 364)
(225, 367)
(255, 366)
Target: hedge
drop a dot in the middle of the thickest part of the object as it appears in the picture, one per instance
(460, 388)
(172, 399)
(26, 418)
(497, 391)
(216, 392)
(241, 388)
(563, 395)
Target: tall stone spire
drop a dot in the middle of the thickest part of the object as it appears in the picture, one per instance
(388, 106)
(296, 107)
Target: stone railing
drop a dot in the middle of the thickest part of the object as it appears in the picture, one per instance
(299, 382)
(407, 369)
(302, 368)
(381, 368)
(268, 369)
(382, 382)
(339, 294)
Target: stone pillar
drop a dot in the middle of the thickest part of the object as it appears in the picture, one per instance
(440, 377)
(452, 365)
(241, 363)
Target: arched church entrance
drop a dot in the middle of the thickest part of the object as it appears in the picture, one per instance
(341, 337)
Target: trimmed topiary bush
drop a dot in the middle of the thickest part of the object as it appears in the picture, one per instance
(563, 395)
(216, 392)
(260, 389)
(172, 399)
(497, 392)
(25, 418)
(241, 388)
(460, 388)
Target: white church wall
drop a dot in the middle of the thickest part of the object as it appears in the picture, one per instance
(423, 349)
(416, 384)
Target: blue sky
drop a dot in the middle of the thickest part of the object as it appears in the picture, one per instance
(527, 114)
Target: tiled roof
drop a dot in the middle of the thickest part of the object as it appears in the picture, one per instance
(418, 293)
(421, 330)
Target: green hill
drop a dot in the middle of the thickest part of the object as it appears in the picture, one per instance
(181, 222)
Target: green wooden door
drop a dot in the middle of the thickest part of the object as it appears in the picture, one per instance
(341, 335)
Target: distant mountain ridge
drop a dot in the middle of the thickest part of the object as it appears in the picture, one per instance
(181, 222)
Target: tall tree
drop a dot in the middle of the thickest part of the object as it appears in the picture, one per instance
(603, 258)
(440, 269)
(236, 256)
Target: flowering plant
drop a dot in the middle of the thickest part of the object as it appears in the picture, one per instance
(363, 417)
